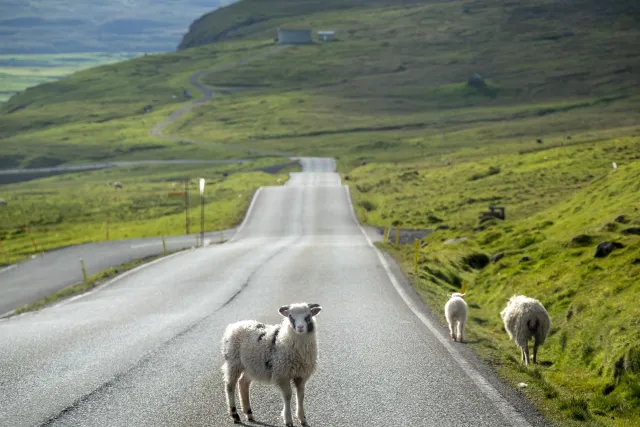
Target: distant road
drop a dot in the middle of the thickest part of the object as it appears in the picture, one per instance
(104, 165)
(36, 278)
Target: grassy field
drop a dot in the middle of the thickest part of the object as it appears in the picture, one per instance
(21, 71)
(73, 208)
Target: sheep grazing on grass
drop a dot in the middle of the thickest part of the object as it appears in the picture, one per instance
(455, 311)
(524, 318)
(273, 354)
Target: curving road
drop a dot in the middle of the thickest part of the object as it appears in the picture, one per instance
(144, 351)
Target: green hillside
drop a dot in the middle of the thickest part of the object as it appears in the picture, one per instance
(421, 145)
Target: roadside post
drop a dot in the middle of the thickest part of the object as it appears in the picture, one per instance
(164, 246)
(84, 270)
(33, 241)
(108, 225)
(201, 211)
(416, 253)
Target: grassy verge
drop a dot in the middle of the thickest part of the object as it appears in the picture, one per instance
(74, 208)
(92, 282)
(560, 204)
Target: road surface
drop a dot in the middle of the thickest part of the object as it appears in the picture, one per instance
(36, 278)
(144, 351)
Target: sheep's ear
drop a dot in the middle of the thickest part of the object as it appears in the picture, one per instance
(315, 309)
(284, 310)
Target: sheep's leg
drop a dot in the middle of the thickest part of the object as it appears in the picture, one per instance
(285, 388)
(299, 383)
(244, 382)
(521, 354)
(525, 350)
(452, 329)
(460, 331)
(231, 378)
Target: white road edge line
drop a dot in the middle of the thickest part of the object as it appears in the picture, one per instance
(118, 277)
(508, 411)
(247, 215)
(11, 267)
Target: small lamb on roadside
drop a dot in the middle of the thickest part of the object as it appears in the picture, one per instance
(273, 354)
(455, 311)
(524, 318)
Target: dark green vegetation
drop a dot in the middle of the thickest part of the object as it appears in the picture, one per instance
(556, 104)
(53, 26)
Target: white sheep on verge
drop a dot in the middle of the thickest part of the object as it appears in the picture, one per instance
(274, 354)
(455, 311)
(524, 318)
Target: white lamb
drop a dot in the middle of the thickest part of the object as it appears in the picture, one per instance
(524, 318)
(274, 354)
(455, 311)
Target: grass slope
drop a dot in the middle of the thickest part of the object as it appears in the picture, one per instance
(560, 204)
(394, 84)
(98, 114)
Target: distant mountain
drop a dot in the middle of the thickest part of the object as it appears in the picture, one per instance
(51, 26)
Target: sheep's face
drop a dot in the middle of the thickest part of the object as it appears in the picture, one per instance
(301, 316)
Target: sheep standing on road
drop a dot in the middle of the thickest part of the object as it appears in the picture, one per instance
(273, 354)
(455, 311)
(524, 318)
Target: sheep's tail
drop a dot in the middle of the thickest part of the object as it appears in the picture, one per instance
(533, 328)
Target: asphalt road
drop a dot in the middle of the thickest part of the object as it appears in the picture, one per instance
(36, 278)
(144, 351)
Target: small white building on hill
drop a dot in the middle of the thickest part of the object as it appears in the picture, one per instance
(326, 36)
(294, 36)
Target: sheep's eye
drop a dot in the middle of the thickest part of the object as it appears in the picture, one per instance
(293, 322)
(307, 319)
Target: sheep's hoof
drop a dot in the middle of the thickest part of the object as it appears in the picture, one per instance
(236, 418)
